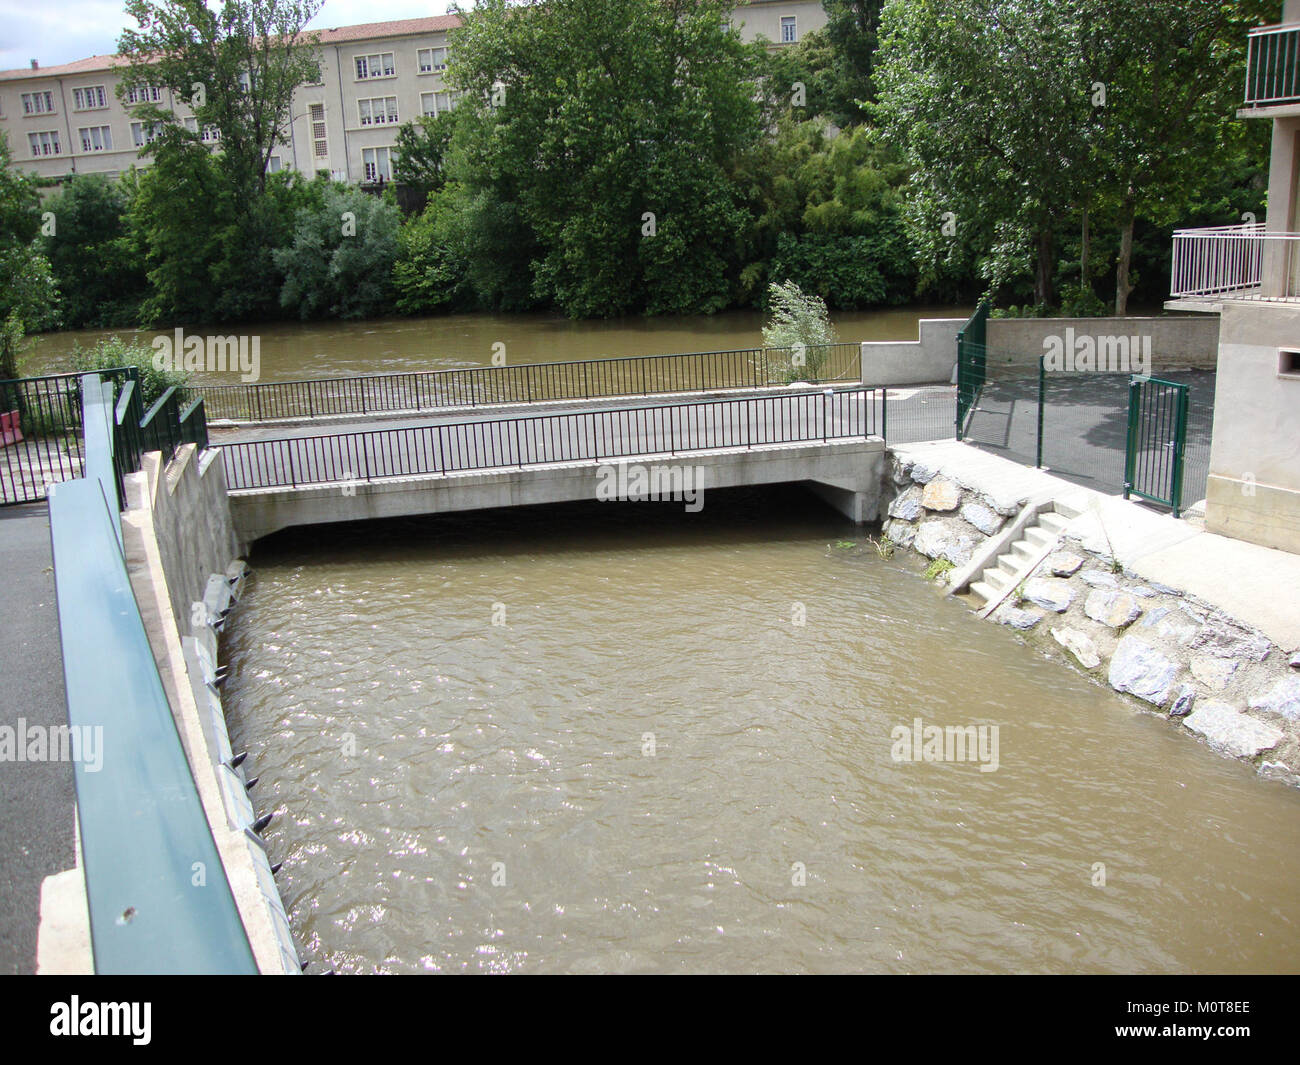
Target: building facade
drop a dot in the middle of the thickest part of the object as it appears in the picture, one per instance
(68, 119)
(1250, 276)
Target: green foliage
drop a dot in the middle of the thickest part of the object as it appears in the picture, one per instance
(28, 296)
(422, 149)
(800, 325)
(94, 258)
(340, 263)
(579, 124)
(114, 352)
(938, 570)
(430, 272)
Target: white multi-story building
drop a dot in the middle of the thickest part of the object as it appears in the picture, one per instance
(68, 119)
(1250, 276)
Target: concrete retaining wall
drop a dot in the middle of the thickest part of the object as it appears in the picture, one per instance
(931, 359)
(1176, 342)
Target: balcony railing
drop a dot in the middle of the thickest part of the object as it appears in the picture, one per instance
(1273, 66)
(1236, 263)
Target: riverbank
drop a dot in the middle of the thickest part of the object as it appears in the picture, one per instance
(1198, 627)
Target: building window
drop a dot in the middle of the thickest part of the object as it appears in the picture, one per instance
(89, 98)
(143, 94)
(789, 34)
(38, 103)
(376, 162)
(375, 66)
(96, 139)
(319, 142)
(143, 133)
(432, 60)
(378, 111)
(46, 143)
(435, 103)
(209, 134)
(274, 165)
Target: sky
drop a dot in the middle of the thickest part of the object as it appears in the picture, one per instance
(59, 31)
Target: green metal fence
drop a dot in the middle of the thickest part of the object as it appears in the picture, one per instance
(972, 358)
(1156, 442)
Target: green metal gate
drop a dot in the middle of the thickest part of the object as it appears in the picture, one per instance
(972, 353)
(1157, 441)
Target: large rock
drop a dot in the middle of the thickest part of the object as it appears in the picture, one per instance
(1214, 673)
(1170, 624)
(902, 472)
(941, 539)
(985, 520)
(1017, 618)
(941, 494)
(1112, 607)
(900, 532)
(923, 474)
(907, 505)
(1231, 731)
(1051, 593)
(1225, 639)
(1183, 701)
(1062, 563)
(1283, 698)
(1080, 645)
(1099, 578)
(1139, 669)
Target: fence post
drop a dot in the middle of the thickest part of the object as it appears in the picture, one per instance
(1180, 445)
(1042, 390)
(1134, 394)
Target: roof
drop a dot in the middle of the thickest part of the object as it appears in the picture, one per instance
(329, 37)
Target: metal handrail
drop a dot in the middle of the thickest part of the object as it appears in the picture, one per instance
(611, 378)
(584, 436)
(1273, 65)
(1235, 262)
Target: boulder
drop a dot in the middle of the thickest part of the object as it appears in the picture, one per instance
(907, 505)
(1080, 645)
(901, 532)
(1113, 608)
(1183, 701)
(1283, 698)
(1139, 669)
(1062, 563)
(1214, 673)
(1233, 732)
(941, 494)
(941, 539)
(923, 474)
(1099, 578)
(1224, 638)
(1017, 618)
(985, 520)
(1051, 593)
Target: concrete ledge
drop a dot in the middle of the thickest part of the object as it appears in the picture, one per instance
(1177, 342)
(931, 359)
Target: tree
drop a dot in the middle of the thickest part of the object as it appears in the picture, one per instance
(340, 263)
(852, 28)
(604, 134)
(95, 261)
(422, 149)
(28, 297)
(430, 273)
(236, 68)
(987, 99)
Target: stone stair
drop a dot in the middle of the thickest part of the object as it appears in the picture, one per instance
(1019, 559)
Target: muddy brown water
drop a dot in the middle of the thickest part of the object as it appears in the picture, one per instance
(593, 738)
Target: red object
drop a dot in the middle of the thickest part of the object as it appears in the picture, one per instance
(10, 430)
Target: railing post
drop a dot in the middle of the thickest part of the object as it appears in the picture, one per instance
(1042, 390)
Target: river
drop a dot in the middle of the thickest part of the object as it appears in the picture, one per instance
(595, 738)
(295, 350)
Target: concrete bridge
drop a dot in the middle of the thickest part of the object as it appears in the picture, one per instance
(832, 440)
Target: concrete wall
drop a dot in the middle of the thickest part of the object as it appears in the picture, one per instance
(851, 467)
(1176, 342)
(931, 359)
(1254, 485)
(195, 533)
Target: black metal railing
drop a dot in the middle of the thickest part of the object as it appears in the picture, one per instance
(638, 375)
(587, 436)
(1273, 65)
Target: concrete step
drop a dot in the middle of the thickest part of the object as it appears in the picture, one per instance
(1053, 523)
(984, 593)
(996, 578)
(1021, 552)
(1039, 538)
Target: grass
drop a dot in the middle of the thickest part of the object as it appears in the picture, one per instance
(938, 570)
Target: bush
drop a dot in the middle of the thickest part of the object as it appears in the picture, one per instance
(114, 352)
(799, 320)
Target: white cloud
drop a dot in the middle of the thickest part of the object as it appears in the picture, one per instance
(65, 30)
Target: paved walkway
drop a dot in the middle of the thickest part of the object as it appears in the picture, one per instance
(1256, 585)
(36, 798)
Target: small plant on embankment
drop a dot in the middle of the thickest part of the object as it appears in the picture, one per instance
(938, 570)
(884, 547)
(114, 351)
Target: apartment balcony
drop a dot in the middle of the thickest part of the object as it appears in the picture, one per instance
(1231, 263)
(1273, 72)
